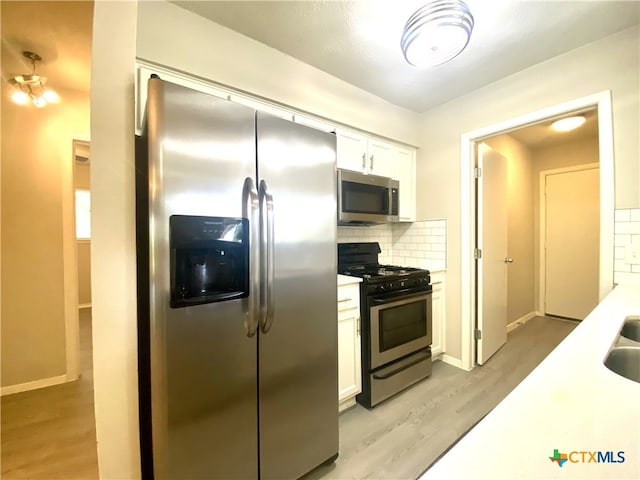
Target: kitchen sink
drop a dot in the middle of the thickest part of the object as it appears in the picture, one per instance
(631, 328)
(625, 361)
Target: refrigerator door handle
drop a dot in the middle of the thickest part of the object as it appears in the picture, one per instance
(266, 257)
(250, 210)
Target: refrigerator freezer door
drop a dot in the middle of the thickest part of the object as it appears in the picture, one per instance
(298, 354)
(203, 364)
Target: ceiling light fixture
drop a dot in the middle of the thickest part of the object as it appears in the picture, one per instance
(567, 124)
(436, 33)
(31, 87)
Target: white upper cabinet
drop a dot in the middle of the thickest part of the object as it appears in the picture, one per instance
(352, 150)
(374, 156)
(404, 171)
(364, 154)
(380, 157)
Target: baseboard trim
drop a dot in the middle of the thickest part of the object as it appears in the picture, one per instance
(41, 383)
(84, 305)
(521, 321)
(456, 362)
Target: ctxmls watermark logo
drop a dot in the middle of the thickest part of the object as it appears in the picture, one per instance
(587, 457)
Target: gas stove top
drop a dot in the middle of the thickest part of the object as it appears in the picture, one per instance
(375, 271)
(361, 260)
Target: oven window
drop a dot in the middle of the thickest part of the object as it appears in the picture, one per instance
(402, 324)
(362, 198)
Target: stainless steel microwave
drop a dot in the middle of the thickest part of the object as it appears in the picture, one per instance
(366, 199)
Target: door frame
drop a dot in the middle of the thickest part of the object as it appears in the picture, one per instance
(543, 227)
(469, 304)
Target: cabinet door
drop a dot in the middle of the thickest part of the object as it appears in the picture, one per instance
(438, 314)
(404, 171)
(380, 159)
(349, 379)
(352, 150)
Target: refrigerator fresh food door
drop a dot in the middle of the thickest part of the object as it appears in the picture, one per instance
(203, 361)
(298, 353)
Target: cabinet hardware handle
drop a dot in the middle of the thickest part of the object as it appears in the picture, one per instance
(344, 300)
(358, 325)
(508, 260)
(371, 162)
(364, 161)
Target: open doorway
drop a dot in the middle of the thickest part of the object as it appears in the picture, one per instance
(47, 409)
(471, 303)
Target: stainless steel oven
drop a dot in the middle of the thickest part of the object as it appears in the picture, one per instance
(395, 307)
(400, 324)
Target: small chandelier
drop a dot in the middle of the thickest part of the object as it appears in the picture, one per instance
(436, 33)
(31, 87)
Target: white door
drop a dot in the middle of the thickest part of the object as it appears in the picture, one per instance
(572, 231)
(492, 241)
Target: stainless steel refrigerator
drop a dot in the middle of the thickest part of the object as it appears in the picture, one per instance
(237, 276)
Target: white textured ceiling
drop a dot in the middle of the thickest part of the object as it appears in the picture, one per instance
(58, 31)
(542, 135)
(359, 41)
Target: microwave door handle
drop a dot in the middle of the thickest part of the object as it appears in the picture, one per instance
(267, 304)
(250, 211)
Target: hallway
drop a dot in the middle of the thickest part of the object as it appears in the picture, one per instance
(50, 432)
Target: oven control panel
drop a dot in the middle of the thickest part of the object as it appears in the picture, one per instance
(400, 284)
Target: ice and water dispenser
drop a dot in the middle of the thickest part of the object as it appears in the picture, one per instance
(209, 259)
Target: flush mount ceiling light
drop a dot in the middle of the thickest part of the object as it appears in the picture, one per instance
(567, 124)
(31, 87)
(436, 33)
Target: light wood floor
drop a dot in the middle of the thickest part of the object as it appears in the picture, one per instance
(49, 433)
(402, 437)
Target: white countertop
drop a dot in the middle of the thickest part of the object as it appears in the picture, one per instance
(346, 280)
(571, 402)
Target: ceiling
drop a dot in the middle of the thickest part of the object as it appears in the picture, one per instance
(60, 32)
(541, 135)
(359, 41)
(355, 41)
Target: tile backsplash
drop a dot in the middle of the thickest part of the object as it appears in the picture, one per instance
(626, 263)
(383, 234)
(418, 244)
(421, 244)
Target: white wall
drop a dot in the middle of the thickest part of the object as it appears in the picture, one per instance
(113, 255)
(37, 193)
(579, 73)
(172, 36)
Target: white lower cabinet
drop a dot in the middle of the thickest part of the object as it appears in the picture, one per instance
(349, 363)
(438, 314)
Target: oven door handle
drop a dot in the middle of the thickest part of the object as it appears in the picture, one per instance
(382, 301)
(402, 365)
